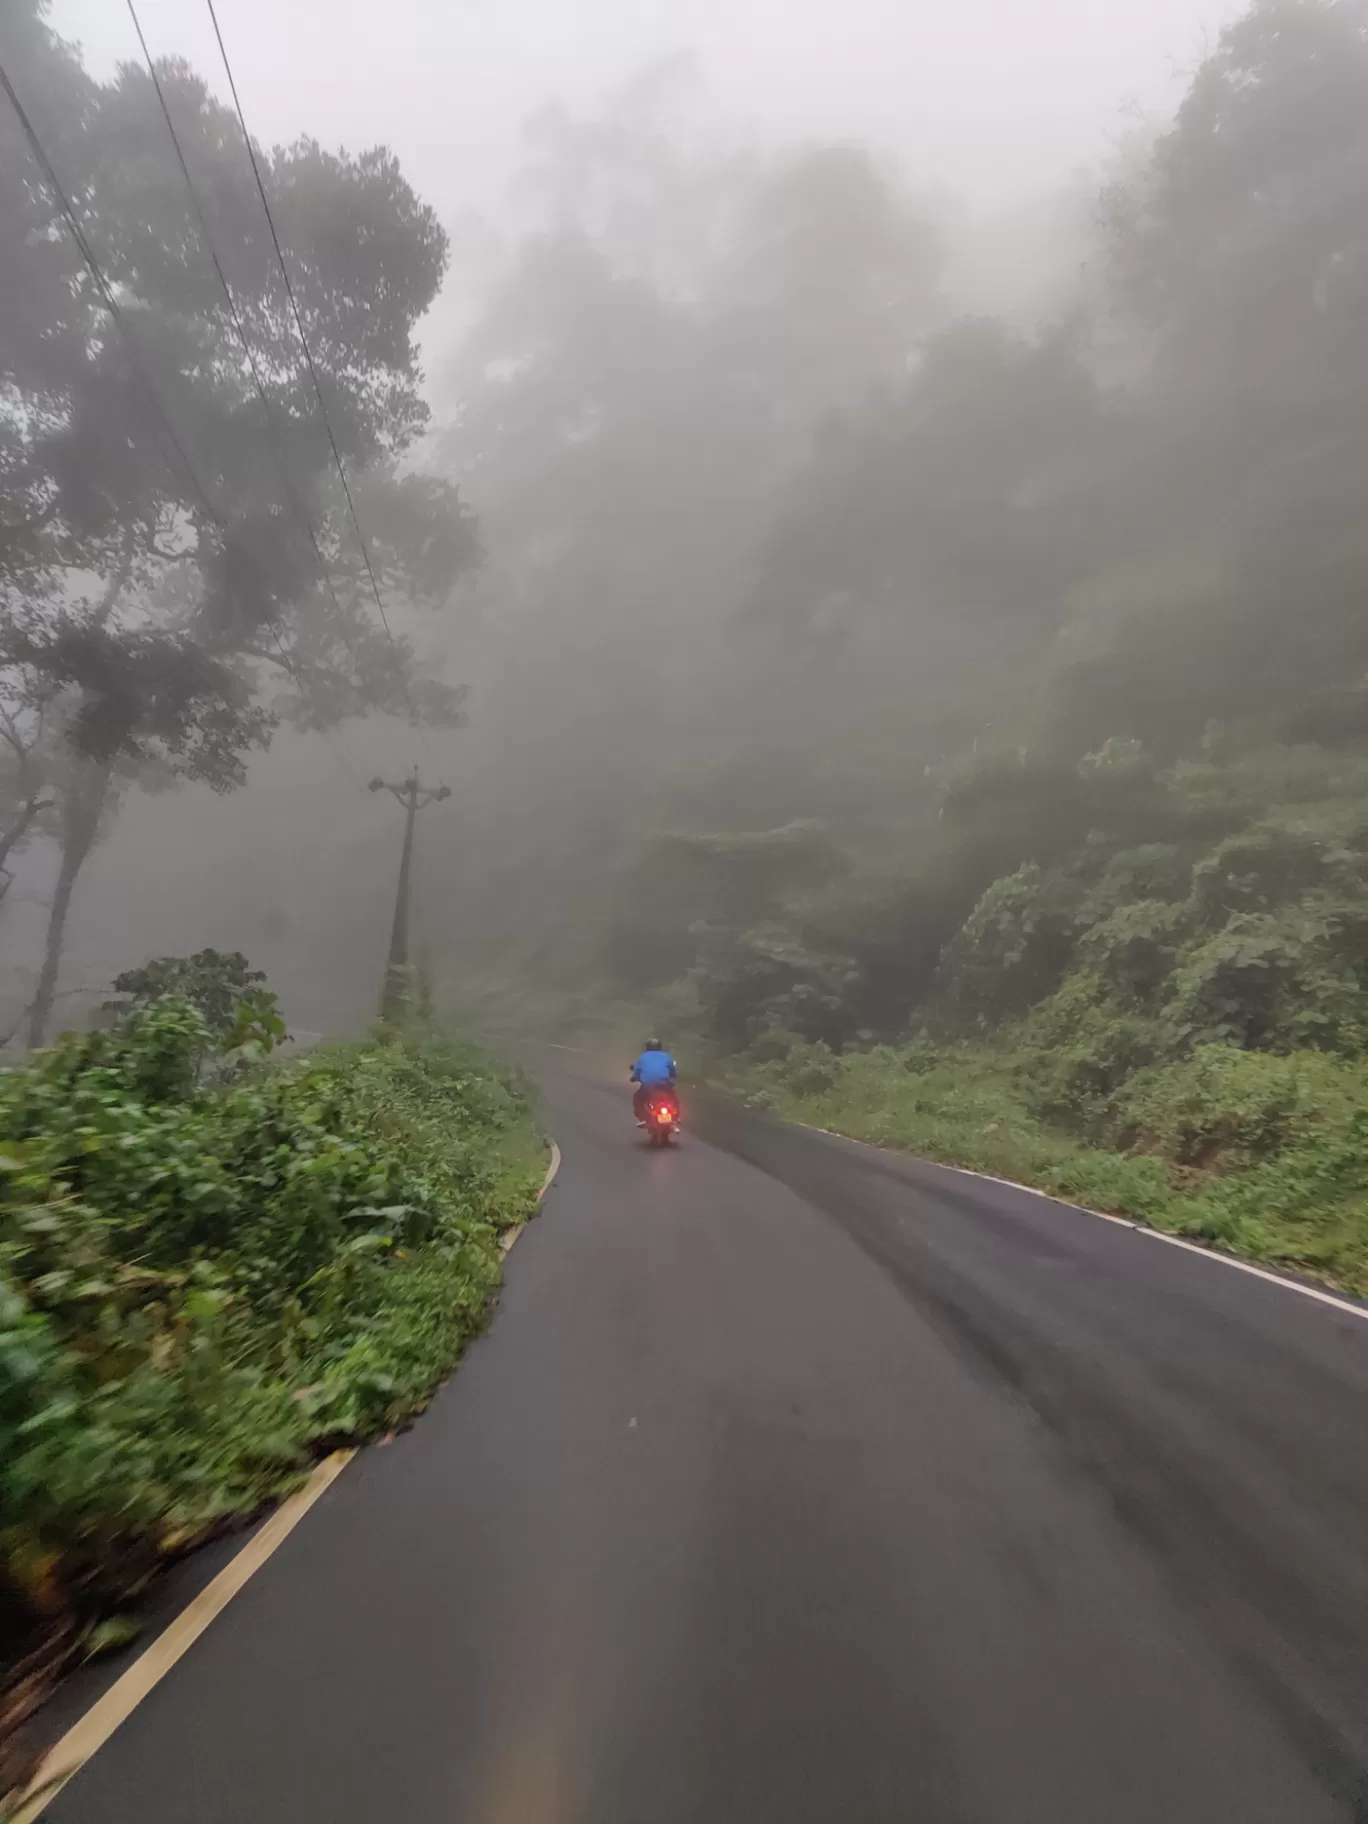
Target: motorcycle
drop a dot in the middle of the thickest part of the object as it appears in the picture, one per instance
(661, 1117)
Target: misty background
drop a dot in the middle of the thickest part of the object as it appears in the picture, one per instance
(843, 400)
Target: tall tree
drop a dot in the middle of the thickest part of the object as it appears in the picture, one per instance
(178, 568)
(648, 365)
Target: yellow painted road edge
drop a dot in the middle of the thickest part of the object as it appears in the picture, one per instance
(99, 1722)
(90, 1734)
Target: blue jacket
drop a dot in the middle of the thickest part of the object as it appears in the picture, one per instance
(653, 1068)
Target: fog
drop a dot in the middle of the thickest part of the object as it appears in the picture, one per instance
(993, 99)
(841, 401)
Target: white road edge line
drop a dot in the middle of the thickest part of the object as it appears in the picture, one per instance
(85, 1738)
(1124, 1222)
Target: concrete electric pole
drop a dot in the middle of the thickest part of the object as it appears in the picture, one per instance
(398, 989)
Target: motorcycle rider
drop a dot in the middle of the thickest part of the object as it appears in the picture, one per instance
(654, 1070)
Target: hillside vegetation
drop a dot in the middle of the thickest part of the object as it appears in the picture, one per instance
(1040, 840)
(213, 1268)
(1166, 1017)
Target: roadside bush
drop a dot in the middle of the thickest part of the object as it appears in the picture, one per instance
(1082, 1047)
(217, 983)
(1133, 950)
(1268, 982)
(1226, 1110)
(1011, 951)
(1265, 867)
(808, 1069)
(202, 1284)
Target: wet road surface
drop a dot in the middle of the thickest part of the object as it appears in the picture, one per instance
(797, 1484)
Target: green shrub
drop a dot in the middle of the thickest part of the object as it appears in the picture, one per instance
(768, 978)
(215, 982)
(1155, 870)
(1265, 867)
(1133, 949)
(201, 1284)
(1268, 982)
(1083, 1046)
(807, 1069)
(1011, 951)
(1225, 1109)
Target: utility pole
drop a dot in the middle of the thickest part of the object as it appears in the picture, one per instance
(397, 993)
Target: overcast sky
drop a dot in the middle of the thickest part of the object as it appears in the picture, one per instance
(997, 99)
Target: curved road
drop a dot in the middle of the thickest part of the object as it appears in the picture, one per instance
(797, 1484)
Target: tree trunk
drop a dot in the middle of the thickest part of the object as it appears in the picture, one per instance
(82, 807)
(17, 832)
(81, 813)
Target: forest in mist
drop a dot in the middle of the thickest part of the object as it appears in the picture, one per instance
(882, 606)
(860, 621)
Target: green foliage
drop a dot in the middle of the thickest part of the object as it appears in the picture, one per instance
(1085, 1044)
(1228, 1109)
(1266, 866)
(238, 1010)
(200, 1286)
(1133, 949)
(1268, 982)
(213, 981)
(769, 979)
(1154, 871)
(1112, 630)
(162, 611)
(1012, 950)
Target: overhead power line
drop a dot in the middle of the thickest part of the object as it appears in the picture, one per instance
(272, 423)
(145, 381)
(309, 360)
(151, 399)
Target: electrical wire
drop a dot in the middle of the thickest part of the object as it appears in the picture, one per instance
(272, 422)
(161, 422)
(151, 399)
(309, 360)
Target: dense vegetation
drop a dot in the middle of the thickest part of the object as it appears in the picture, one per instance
(1002, 682)
(1171, 1028)
(213, 1266)
(181, 571)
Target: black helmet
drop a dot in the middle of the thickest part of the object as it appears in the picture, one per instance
(653, 1045)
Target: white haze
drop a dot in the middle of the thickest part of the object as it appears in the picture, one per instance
(993, 99)
(1001, 107)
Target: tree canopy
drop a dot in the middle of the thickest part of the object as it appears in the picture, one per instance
(180, 567)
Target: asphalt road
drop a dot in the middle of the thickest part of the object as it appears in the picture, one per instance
(798, 1485)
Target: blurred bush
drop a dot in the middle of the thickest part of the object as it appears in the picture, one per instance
(206, 1279)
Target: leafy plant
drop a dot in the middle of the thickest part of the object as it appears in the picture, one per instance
(1267, 866)
(204, 1281)
(1012, 950)
(1134, 948)
(1154, 871)
(1268, 982)
(215, 982)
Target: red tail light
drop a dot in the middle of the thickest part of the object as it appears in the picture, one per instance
(665, 1115)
